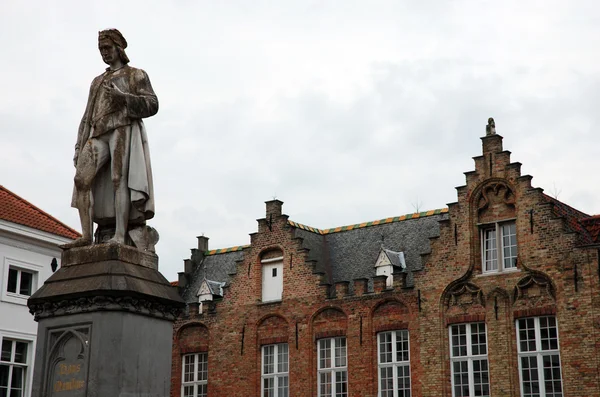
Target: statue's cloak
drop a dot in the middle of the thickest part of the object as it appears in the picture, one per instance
(102, 116)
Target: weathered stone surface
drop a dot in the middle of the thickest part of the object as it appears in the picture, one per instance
(106, 277)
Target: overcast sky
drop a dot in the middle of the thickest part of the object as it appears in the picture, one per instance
(348, 111)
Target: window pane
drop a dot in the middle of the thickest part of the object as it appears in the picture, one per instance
(325, 353)
(325, 380)
(4, 375)
(268, 387)
(340, 352)
(188, 391)
(283, 386)
(386, 381)
(490, 253)
(13, 274)
(529, 377)
(478, 343)
(188, 369)
(481, 378)
(461, 378)
(552, 380)
(509, 242)
(269, 359)
(341, 384)
(26, 282)
(402, 346)
(202, 366)
(385, 347)
(6, 350)
(18, 381)
(282, 358)
(403, 381)
(202, 390)
(527, 335)
(459, 340)
(21, 352)
(548, 333)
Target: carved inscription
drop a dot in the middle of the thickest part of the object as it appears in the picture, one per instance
(67, 364)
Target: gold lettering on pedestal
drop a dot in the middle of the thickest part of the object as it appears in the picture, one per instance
(73, 384)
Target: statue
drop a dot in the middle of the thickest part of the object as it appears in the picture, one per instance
(490, 128)
(113, 177)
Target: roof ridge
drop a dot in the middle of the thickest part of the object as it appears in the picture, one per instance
(338, 229)
(39, 210)
(400, 218)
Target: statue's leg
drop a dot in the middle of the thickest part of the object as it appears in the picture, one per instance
(92, 157)
(119, 152)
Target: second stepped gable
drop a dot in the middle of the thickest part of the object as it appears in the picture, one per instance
(324, 263)
(506, 244)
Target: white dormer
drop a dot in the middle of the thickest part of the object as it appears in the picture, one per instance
(208, 290)
(386, 262)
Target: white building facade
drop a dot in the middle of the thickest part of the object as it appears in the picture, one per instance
(29, 253)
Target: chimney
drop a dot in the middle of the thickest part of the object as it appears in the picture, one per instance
(273, 208)
(202, 244)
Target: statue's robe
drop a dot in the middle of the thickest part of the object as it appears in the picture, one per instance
(103, 116)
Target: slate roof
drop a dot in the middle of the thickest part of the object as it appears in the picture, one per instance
(341, 254)
(17, 210)
(394, 258)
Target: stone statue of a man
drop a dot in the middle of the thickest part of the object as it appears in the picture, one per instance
(113, 178)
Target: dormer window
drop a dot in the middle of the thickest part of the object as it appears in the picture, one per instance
(272, 279)
(387, 262)
(208, 291)
(499, 247)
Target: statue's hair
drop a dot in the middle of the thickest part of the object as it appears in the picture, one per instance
(119, 41)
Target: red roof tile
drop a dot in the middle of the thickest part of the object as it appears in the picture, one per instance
(18, 210)
(573, 219)
(175, 283)
(592, 225)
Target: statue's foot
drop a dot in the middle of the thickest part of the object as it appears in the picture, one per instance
(116, 241)
(80, 242)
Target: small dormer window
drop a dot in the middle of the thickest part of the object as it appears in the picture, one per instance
(387, 262)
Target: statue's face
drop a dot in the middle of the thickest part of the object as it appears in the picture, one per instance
(108, 50)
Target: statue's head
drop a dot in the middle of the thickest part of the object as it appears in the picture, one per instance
(112, 38)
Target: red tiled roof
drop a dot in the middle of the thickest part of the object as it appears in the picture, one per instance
(175, 283)
(573, 219)
(592, 225)
(18, 210)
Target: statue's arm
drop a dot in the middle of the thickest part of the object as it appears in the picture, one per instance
(83, 131)
(143, 101)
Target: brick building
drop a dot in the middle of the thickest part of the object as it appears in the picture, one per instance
(496, 295)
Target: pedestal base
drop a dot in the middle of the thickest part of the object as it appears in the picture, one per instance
(104, 325)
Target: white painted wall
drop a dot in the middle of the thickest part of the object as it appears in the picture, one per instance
(272, 280)
(32, 250)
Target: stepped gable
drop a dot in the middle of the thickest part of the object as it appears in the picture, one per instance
(15, 209)
(575, 220)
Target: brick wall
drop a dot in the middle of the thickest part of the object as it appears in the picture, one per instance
(553, 276)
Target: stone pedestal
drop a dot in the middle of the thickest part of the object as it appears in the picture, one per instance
(104, 325)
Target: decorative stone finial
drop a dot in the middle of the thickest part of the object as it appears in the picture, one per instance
(490, 129)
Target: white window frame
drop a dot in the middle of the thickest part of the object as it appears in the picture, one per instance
(267, 266)
(469, 358)
(396, 365)
(539, 354)
(28, 365)
(497, 229)
(333, 369)
(280, 373)
(20, 266)
(195, 383)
